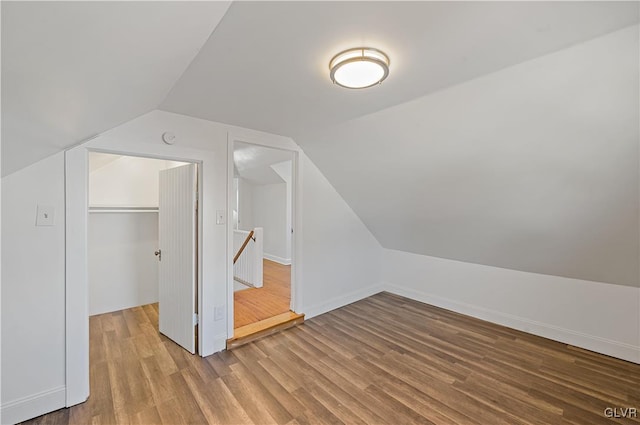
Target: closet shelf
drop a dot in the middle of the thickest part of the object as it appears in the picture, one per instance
(123, 209)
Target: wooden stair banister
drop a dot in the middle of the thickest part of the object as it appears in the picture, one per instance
(244, 245)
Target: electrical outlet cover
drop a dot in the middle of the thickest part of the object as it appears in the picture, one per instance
(45, 215)
(219, 217)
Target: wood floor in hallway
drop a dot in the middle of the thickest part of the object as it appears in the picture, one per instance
(381, 360)
(255, 304)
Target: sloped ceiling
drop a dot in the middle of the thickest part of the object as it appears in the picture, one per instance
(253, 163)
(98, 160)
(71, 70)
(472, 149)
(483, 145)
(532, 168)
(266, 68)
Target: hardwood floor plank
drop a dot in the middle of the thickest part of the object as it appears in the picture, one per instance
(381, 360)
(80, 414)
(318, 413)
(148, 416)
(252, 399)
(337, 406)
(403, 413)
(169, 412)
(283, 378)
(218, 364)
(215, 401)
(273, 298)
(159, 382)
(341, 390)
(188, 402)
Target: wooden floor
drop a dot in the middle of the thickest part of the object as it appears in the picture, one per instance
(254, 331)
(382, 360)
(255, 304)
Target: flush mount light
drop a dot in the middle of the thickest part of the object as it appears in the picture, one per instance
(359, 68)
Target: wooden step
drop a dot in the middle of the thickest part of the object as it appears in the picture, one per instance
(253, 331)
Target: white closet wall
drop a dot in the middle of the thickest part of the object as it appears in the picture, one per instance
(123, 270)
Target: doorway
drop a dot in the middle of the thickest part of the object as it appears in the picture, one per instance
(210, 240)
(261, 207)
(139, 207)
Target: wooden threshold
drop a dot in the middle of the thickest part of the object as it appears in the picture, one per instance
(253, 331)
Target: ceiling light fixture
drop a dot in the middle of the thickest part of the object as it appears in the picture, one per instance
(359, 68)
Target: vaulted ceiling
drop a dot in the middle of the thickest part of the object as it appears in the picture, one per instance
(506, 134)
(532, 168)
(266, 67)
(254, 163)
(71, 70)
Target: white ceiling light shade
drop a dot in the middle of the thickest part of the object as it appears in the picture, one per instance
(359, 68)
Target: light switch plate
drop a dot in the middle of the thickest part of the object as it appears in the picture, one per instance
(219, 217)
(45, 215)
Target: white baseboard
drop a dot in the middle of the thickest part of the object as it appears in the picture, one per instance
(283, 261)
(342, 300)
(34, 405)
(590, 342)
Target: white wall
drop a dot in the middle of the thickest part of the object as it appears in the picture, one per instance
(285, 170)
(342, 259)
(123, 270)
(269, 205)
(245, 205)
(337, 241)
(597, 316)
(270, 213)
(532, 168)
(33, 292)
(339, 259)
(128, 182)
(266, 204)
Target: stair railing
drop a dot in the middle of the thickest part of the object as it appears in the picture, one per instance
(244, 245)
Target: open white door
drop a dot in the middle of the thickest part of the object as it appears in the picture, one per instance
(177, 254)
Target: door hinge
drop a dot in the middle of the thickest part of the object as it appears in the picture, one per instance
(195, 319)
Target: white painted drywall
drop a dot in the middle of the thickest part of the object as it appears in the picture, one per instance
(128, 181)
(533, 168)
(341, 257)
(597, 316)
(74, 69)
(266, 204)
(245, 205)
(270, 213)
(335, 259)
(123, 270)
(204, 142)
(285, 170)
(431, 44)
(33, 292)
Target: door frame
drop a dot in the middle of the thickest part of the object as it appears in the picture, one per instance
(296, 220)
(76, 247)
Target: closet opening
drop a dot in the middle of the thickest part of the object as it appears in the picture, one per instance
(142, 252)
